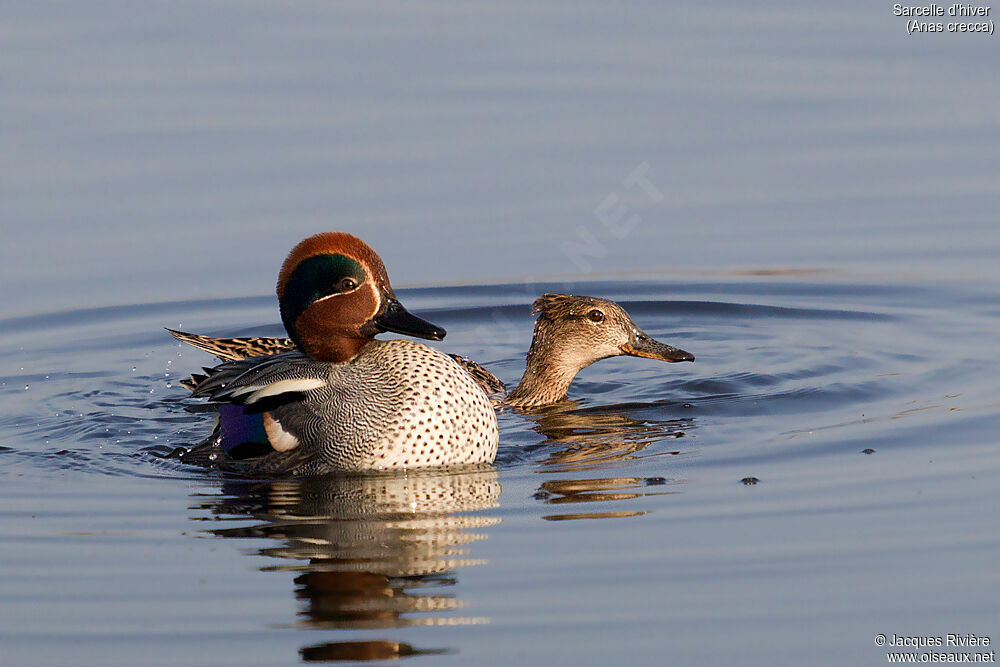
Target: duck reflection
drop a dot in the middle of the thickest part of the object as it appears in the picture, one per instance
(372, 551)
(586, 439)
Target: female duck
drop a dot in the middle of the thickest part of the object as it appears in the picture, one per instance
(571, 333)
(339, 399)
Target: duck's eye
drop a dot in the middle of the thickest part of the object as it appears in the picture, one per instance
(347, 284)
(596, 316)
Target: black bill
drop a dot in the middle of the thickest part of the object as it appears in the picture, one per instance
(393, 317)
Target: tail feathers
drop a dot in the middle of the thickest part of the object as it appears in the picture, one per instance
(234, 349)
(487, 381)
(207, 452)
(193, 381)
(228, 349)
(206, 343)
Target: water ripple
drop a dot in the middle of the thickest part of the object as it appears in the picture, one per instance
(117, 409)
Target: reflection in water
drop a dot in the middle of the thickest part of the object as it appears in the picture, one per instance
(589, 439)
(381, 551)
(600, 489)
(373, 551)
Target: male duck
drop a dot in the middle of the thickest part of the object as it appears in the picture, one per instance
(338, 399)
(571, 333)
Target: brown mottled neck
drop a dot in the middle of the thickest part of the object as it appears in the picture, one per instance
(550, 368)
(540, 385)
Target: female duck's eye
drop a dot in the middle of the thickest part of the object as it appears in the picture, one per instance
(347, 284)
(596, 316)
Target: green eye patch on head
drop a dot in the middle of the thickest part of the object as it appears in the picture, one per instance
(317, 277)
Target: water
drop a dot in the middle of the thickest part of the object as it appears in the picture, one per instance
(620, 517)
(811, 210)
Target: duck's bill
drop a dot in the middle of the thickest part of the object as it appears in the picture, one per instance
(399, 320)
(654, 349)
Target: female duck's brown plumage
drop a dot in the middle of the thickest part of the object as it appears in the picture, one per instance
(571, 333)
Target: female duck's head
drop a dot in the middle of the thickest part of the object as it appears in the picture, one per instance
(573, 332)
(335, 296)
(579, 330)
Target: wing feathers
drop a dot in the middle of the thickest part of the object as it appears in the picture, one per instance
(247, 381)
(281, 387)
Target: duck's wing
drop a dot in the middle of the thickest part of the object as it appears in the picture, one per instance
(215, 452)
(249, 381)
(489, 383)
(262, 414)
(232, 349)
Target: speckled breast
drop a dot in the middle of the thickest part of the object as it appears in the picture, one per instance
(401, 404)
